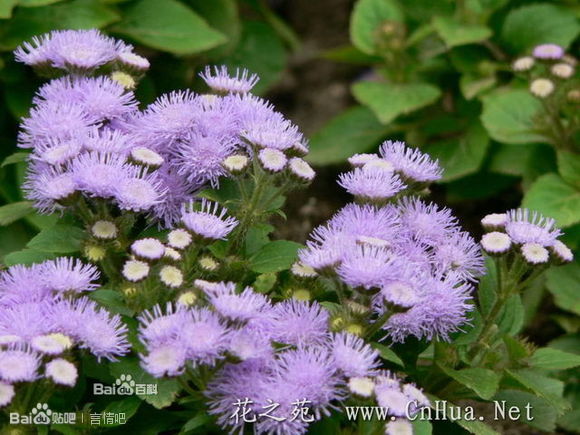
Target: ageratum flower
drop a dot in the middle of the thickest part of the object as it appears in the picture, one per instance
(204, 337)
(66, 274)
(210, 222)
(410, 162)
(352, 356)
(525, 226)
(222, 82)
(48, 187)
(548, 51)
(242, 306)
(19, 364)
(371, 184)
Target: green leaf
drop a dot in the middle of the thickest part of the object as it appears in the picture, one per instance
(536, 24)
(261, 51)
(487, 291)
(128, 407)
(512, 317)
(562, 282)
(470, 332)
(77, 14)
(257, 236)
(474, 427)
(569, 167)
(542, 414)
(275, 256)
(391, 100)
(27, 256)
(167, 389)
(455, 33)
(265, 282)
(541, 385)
(6, 7)
(472, 85)
(350, 54)
(222, 15)
(14, 158)
(387, 354)
(36, 3)
(355, 130)
(12, 212)
(168, 25)
(60, 239)
(554, 359)
(509, 115)
(200, 419)
(112, 300)
(555, 198)
(484, 382)
(366, 19)
(463, 156)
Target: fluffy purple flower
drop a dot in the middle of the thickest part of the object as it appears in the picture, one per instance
(109, 141)
(157, 328)
(100, 97)
(71, 50)
(57, 152)
(352, 356)
(139, 192)
(548, 51)
(250, 344)
(366, 266)
(242, 306)
(47, 187)
(525, 226)
(66, 274)
(410, 162)
(404, 286)
(296, 323)
(204, 337)
(372, 185)
(99, 174)
(165, 360)
(460, 253)
(19, 365)
(21, 321)
(222, 82)
(268, 129)
(176, 193)
(22, 283)
(210, 222)
(427, 222)
(55, 121)
(199, 158)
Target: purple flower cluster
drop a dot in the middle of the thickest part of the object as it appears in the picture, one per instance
(43, 316)
(285, 353)
(410, 256)
(526, 232)
(88, 136)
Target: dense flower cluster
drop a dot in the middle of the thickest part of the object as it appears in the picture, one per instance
(44, 317)
(265, 352)
(88, 136)
(408, 255)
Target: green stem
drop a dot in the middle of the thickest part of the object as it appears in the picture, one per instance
(378, 324)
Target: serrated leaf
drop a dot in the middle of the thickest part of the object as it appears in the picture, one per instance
(60, 239)
(543, 386)
(487, 290)
(569, 167)
(562, 282)
(388, 100)
(542, 414)
(27, 256)
(77, 14)
(455, 33)
(462, 156)
(275, 256)
(474, 427)
(553, 197)
(483, 382)
(388, 354)
(168, 25)
(12, 212)
(535, 24)
(112, 300)
(512, 317)
(509, 115)
(366, 19)
(554, 359)
(355, 130)
(127, 407)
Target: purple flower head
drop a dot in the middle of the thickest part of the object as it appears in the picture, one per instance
(368, 221)
(36, 52)
(250, 344)
(19, 364)
(548, 51)
(47, 187)
(22, 321)
(164, 360)
(94, 328)
(140, 192)
(56, 152)
(204, 337)
(404, 286)
(427, 222)
(210, 222)
(242, 306)
(273, 160)
(460, 253)
(176, 193)
(222, 82)
(295, 322)
(366, 266)
(389, 396)
(66, 274)
(441, 311)
(525, 226)
(106, 140)
(21, 284)
(269, 129)
(100, 97)
(320, 257)
(410, 162)
(158, 328)
(98, 174)
(352, 356)
(54, 121)
(199, 158)
(372, 185)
